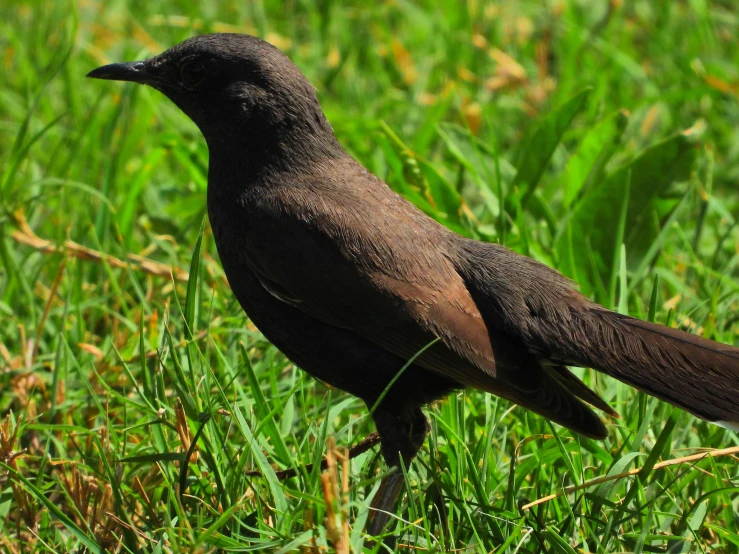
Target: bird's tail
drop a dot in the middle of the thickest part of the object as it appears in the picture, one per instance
(696, 374)
(540, 308)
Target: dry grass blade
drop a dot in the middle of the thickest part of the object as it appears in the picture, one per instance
(24, 235)
(183, 431)
(666, 463)
(331, 493)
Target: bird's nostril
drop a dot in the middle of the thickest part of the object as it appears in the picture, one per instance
(138, 66)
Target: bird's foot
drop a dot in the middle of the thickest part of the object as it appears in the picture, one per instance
(383, 504)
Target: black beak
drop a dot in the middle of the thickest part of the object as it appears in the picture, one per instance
(129, 71)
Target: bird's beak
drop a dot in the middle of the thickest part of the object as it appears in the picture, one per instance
(128, 71)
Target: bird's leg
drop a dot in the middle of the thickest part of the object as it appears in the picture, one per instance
(401, 438)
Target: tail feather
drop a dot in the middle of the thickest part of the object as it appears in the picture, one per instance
(572, 383)
(548, 396)
(696, 374)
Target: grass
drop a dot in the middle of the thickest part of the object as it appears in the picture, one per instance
(598, 137)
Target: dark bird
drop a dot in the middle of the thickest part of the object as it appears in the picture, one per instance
(351, 281)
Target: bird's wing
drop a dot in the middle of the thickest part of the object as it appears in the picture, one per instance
(387, 306)
(389, 277)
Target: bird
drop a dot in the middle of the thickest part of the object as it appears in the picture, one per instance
(365, 292)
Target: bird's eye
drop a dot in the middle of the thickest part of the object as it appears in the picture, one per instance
(192, 73)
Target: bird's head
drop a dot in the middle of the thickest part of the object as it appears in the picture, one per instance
(237, 89)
